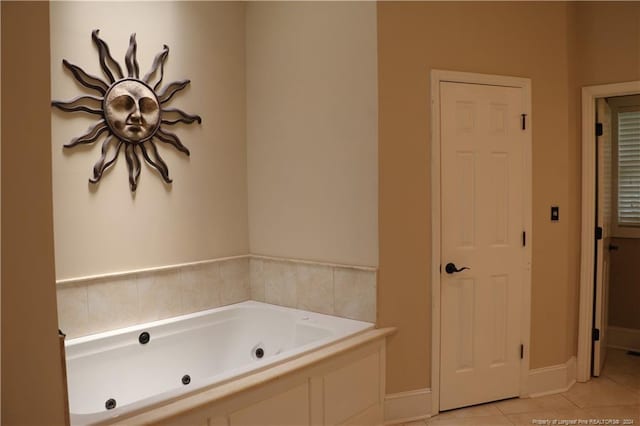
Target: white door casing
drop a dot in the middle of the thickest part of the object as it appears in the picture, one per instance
(483, 150)
(603, 218)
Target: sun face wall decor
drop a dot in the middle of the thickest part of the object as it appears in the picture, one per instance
(132, 112)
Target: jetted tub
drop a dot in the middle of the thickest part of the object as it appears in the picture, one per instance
(116, 373)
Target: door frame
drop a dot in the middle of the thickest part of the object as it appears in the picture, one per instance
(438, 76)
(587, 239)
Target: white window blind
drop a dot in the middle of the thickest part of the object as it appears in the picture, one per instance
(629, 168)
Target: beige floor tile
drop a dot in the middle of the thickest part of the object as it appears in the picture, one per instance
(540, 417)
(631, 381)
(530, 405)
(475, 411)
(476, 421)
(618, 361)
(622, 368)
(601, 392)
(416, 423)
(626, 414)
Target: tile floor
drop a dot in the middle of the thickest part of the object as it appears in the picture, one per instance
(611, 399)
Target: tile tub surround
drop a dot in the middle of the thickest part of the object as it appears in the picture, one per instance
(92, 305)
(341, 290)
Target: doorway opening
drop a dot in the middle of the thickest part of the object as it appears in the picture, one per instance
(609, 202)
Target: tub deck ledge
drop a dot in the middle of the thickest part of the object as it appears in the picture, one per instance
(206, 396)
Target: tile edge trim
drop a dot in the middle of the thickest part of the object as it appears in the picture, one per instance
(120, 274)
(313, 262)
(89, 278)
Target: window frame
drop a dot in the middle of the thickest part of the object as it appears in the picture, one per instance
(618, 105)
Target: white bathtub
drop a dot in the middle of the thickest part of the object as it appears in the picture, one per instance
(211, 347)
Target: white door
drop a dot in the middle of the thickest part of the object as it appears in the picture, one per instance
(603, 218)
(482, 168)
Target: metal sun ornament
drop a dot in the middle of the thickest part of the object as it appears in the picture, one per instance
(132, 111)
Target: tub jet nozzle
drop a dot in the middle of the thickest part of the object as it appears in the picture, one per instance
(110, 404)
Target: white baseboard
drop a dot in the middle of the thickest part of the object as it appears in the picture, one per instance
(408, 406)
(550, 380)
(414, 405)
(623, 338)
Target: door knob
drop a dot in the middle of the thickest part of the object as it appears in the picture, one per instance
(451, 268)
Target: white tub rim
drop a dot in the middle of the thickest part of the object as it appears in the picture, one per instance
(229, 377)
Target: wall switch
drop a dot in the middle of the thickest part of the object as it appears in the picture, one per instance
(555, 213)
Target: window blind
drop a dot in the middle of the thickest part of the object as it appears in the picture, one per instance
(629, 168)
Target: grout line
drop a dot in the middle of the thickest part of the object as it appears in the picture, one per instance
(87, 327)
(499, 410)
(333, 291)
(570, 401)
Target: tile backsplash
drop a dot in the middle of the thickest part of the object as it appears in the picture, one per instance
(92, 305)
(105, 303)
(344, 291)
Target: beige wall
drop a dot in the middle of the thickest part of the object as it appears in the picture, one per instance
(0, 208)
(203, 215)
(608, 42)
(32, 384)
(625, 284)
(312, 131)
(526, 40)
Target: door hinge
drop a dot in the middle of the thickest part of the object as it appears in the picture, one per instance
(524, 238)
(599, 130)
(598, 233)
(521, 351)
(596, 334)
(524, 121)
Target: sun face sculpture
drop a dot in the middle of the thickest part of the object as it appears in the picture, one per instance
(132, 111)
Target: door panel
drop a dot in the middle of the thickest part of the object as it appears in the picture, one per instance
(603, 217)
(498, 311)
(499, 173)
(482, 222)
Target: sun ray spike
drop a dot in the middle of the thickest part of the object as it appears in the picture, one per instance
(136, 162)
(133, 165)
(92, 135)
(156, 162)
(130, 58)
(135, 61)
(108, 157)
(138, 146)
(184, 117)
(158, 62)
(74, 105)
(168, 92)
(90, 81)
(172, 139)
(106, 59)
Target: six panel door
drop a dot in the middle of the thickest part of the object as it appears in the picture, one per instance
(482, 168)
